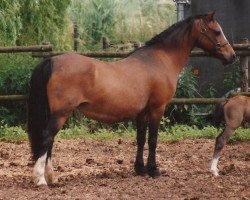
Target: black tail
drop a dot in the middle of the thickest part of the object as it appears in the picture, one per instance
(218, 114)
(38, 110)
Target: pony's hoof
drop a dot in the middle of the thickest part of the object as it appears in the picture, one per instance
(153, 172)
(215, 172)
(140, 170)
(40, 181)
(51, 179)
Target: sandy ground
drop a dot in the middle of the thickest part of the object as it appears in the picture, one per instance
(104, 170)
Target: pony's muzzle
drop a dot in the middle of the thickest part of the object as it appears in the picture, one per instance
(229, 59)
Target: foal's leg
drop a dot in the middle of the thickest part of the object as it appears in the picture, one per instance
(43, 169)
(154, 121)
(219, 144)
(141, 125)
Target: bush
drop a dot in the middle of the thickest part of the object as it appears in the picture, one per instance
(15, 71)
(186, 88)
(231, 79)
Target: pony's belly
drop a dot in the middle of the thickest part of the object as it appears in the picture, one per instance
(106, 118)
(108, 115)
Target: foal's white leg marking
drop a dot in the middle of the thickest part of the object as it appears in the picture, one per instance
(214, 169)
(39, 170)
(49, 171)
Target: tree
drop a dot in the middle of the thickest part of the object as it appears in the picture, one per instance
(10, 21)
(45, 21)
(26, 22)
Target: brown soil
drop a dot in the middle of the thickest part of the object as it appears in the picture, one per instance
(104, 170)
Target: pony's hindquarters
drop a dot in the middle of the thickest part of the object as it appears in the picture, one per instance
(44, 121)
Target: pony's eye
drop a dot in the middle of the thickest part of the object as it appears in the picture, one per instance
(217, 33)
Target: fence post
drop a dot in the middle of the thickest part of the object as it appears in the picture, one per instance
(244, 69)
(76, 37)
(105, 43)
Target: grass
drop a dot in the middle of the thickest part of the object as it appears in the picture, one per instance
(175, 133)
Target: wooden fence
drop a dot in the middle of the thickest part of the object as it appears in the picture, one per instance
(18, 49)
(173, 101)
(42, 51)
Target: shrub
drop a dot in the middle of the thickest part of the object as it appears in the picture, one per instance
(186, 88)
(15, 71)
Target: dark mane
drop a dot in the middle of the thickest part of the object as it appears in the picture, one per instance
(169, 35)
(179, 27)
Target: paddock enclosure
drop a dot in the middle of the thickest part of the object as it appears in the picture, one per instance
(104, 170)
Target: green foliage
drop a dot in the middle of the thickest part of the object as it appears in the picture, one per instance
(187, 84)
(232, 76)
(120, 21)
(44, 21)
(15, 71)
(182, 132)
(211, 91)
(186, 88)
(95, 19)
(176, 133)
(164, 124)
(12, 134)
(25, 22)
(10, 21)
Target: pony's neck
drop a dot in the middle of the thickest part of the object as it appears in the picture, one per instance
(174, 46)
(178, 46)
(180, 52)
(175, 54)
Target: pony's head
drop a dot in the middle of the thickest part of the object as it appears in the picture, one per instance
(211, 38)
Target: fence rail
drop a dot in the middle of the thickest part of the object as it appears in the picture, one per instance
(195, 53)
(18, 49)
(13, 97)
(173, 101)
(240, 50)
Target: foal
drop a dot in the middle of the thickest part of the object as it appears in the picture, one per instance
(235, 112)
(139, 86)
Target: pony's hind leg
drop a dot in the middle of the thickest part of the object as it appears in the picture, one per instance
(43, 169)
(219, 144)
(141, 125)
(39, 171)
(49, 171)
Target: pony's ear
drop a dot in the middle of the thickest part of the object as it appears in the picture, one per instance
(210, 16)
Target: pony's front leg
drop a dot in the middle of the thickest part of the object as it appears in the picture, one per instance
(141, 125)
(154, 121)
(219, 144)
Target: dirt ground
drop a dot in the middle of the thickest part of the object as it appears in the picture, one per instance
(104, 170)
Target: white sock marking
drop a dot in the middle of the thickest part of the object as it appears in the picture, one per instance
(39, 170)
(214, 169)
